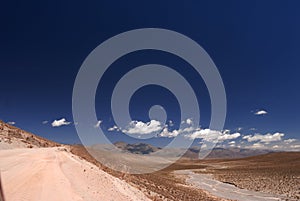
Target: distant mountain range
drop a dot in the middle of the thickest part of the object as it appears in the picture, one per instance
(193, 152)
(13, 137)
(226, 153)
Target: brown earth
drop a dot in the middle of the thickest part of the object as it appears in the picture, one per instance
(15, 137)
(161, 185)
(276, 173)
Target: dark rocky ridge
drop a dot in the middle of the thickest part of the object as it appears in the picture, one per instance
(138, 148)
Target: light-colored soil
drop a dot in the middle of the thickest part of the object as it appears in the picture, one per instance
(225, 190)
(160, 185)
(12, 137)
(273, 173)
(276, 173)
(55, 174)
(58, 174)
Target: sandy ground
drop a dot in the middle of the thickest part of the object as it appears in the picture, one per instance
(12, 145)
(274, 173)
(51, 174)
(224, 190)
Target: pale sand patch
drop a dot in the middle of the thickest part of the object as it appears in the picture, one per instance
(51, 174)
(223, 190)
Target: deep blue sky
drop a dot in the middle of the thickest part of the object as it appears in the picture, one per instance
(254, 44)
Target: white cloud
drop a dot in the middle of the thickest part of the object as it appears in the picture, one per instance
(166, 133)
(289, 141)
(206, 134)
(198, 133)
(229, 136)
(114, 128)
(139, 127)
(252, 129)
(257, 146)
(189, 121)
(213, 135)
(261, 112)
(174, 133)
(267, 138)
(239, 129)
(97, 125)
(44, 122)
(231, 142)
(11, 122)
(60, 122)
(273, 145)
(295, 146)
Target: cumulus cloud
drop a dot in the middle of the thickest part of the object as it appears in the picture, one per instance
(139, 127)
(97, 125)
(11, 122)
(257, 146)
(232, 143)
(167, 133)
(261, 112)
(274, 146)
(290, 141)
(226, 131)
(213, 135)
(273, 142)
(44, 122)
(60, 122)
(267, 138)
(229, 136)
(174, 133)
(114, 128)
(295, 146)
(192, 133)
(189, 121)
(225, 137)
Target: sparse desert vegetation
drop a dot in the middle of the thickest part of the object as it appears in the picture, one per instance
(274, 173)
(161, 185)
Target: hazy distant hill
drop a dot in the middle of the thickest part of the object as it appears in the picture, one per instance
(218, 152)
(13, 137)
(192, 153)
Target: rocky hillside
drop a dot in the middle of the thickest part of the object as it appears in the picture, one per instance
(13, 137)
(138, 148)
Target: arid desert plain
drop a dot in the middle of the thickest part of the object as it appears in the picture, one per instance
(37, 169)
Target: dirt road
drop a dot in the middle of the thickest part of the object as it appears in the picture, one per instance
(54, 174)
